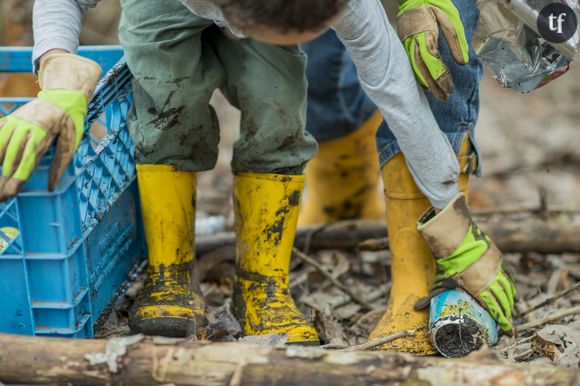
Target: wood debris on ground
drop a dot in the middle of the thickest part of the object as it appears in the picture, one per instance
(530, 180)
(345, 292)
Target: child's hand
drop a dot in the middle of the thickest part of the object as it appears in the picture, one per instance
(419, 24)
(467, 258)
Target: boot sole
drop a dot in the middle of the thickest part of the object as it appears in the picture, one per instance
(168, 327)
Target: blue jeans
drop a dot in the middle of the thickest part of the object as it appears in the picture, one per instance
(337, 104)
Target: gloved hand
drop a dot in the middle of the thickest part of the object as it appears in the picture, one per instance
(58, 113)
(419, 23)
(468, 259)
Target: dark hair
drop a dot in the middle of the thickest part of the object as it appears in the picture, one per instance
(281, 15)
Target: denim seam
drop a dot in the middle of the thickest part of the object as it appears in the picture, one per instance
(456, 139)
(350, 118)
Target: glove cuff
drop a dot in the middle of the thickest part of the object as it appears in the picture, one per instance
(446, 232)
(69, 72)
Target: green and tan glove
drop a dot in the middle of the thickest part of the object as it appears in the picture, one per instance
(419, 24)
(467, 258)
(58, 113)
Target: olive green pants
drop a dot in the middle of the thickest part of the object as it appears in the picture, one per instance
(179, 59)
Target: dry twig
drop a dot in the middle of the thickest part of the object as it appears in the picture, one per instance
(551, 299)
(372, 296)
(309, 260)
(372, 344)
(552, 318)
(520, 209)
(531, 235)
(519, 342)
(310, 235)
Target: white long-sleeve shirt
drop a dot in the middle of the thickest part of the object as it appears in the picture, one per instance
(384, 71)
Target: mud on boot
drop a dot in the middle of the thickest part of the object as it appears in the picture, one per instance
(267, 208)
(263, 305)
(342, 180)
(170, 304)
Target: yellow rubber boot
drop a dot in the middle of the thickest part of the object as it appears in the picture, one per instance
(267, 207)
(343, 179)
(413, 266)
(170, 304)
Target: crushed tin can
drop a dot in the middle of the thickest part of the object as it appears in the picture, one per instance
(459, 325)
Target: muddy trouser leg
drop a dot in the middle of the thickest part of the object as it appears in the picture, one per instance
(175, 134)
(268, 84)
(176, 72)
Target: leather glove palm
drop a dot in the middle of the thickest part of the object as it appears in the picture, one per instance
(419, 24)
(57, 114)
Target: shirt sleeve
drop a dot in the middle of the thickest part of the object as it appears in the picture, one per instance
(387, 77)
(57, 24)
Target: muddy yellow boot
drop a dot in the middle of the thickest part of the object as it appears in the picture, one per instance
(170, 304)
(413, 266)
(267, 208)
(343, 179)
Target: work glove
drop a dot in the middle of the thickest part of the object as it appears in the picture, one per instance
(466, 258)
(58, 113)
(419, 23)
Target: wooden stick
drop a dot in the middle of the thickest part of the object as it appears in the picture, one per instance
(152, 362)
(530, 235)
(309, 260)
(519, 342)
(520, 209)
(549, 319)
(375, 343)
(373, 296)
(551, 299)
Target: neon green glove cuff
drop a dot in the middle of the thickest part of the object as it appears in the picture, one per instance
(24, 139)
(470, 250)
(56, 117)
(501, 293)
(71, 102)
(467, 258)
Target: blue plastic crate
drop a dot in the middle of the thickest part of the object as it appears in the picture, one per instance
(65, 256)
